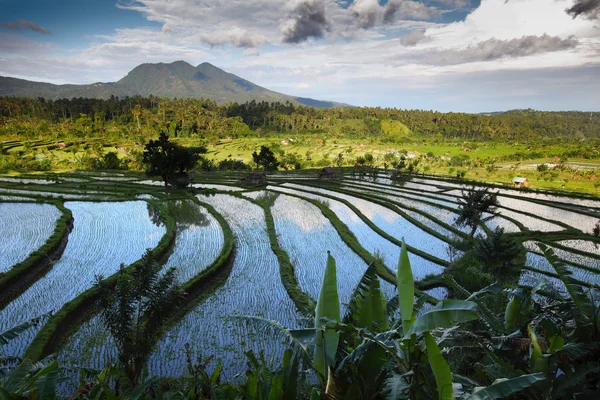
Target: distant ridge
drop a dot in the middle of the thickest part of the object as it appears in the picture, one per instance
(175, 80)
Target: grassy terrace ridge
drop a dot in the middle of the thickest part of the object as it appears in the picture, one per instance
(389, 205)
(72, 314)
(454, 199)
(24, 274)
(302, 300)
(398, 207)
(348, 237)
(208, 280)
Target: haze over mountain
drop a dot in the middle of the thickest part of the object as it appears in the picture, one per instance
(175, 80)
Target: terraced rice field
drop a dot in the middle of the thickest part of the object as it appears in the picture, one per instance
(199, 240)
(376, 210)
(105, 235)
(27, 226)
(252, 288)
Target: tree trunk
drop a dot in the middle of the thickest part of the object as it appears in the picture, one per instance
(473, 230)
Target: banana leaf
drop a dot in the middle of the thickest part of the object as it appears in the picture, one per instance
(328, 307)
(444, 315)
(512, 312)
(406, 288)
(441, 370)
(502, 388)
(537, 361)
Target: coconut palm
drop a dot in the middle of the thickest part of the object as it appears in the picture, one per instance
(473, 206)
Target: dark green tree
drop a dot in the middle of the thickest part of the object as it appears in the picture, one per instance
(164, 158)
(473, 206)
(498, 254)
(265, 159)
(134, 308)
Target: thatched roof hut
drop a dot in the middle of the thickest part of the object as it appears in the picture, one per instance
(327, 173)
(519, 182)
(255, 178)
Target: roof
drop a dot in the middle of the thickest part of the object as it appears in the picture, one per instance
(519, 179)
(328, 170)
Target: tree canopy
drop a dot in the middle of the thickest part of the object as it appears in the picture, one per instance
(164, 158)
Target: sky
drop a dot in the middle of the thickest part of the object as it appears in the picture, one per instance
(446, 55)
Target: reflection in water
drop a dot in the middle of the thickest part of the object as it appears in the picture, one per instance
(154, 214)
(267, 198)
(187, 214)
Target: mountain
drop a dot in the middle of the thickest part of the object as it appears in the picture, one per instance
(178, 79)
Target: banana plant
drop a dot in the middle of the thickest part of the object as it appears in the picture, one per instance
(21, 378)
(31, 381)
(328, 308)
(366, 352)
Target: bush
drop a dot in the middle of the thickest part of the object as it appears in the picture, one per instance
(469, 273)
(233, 165)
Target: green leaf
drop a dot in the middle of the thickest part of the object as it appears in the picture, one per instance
(276, 392)
(406, 288)
(315, 394)
(216, 374)
(575, 290)
(396, 387)
(494, 288)
(502, 388)
(14, 332)
(371, 310)
(5, 395)
(46, 380)
(556, 344)
(18, 377)
(287, 336)
(512, 312)
(328, 307)
(290, 374)
(441, 370)
(444, 315)
(536, 359)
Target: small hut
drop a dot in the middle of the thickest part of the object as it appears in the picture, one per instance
(255, 178)
(327, 173)
(519, 182)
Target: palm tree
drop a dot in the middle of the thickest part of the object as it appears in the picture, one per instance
(472, 207)
(135, 307)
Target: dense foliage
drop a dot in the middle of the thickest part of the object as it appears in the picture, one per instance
(198, 116)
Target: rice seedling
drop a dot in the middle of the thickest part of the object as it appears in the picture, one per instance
(198, 242)
(582, 245)
(388, 221)
(301, 230)
(252, 288)
(27, 181)
(104, 236)
(531, 223)
(217, 187)
(370, 240)
(25, 227)
(573, 219)
(539, 262)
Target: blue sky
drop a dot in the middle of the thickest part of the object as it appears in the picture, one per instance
(449, 55)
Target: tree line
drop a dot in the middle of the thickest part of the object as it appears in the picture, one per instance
(190, 116)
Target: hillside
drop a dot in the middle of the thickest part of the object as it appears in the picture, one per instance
(175, 80)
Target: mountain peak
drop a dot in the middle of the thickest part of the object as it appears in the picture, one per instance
(178, 79)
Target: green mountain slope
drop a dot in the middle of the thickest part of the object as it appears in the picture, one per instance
(175, 80)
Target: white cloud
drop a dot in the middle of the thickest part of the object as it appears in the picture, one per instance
(397, 46)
